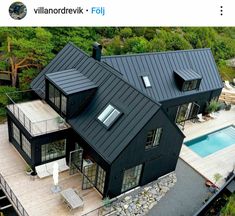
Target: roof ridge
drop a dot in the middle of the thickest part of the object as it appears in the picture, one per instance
(154, 53)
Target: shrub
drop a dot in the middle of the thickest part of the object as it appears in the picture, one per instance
(229, 209)
(212, 106)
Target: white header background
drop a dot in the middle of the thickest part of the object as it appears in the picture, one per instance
(126, 13)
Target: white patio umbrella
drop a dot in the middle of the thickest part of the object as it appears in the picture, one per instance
(55, 188)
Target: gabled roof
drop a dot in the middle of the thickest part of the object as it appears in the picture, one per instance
(137, 109)
(160, 67)
(188, 74)
(70, 81)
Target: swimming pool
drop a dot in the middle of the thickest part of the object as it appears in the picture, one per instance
(212, 142)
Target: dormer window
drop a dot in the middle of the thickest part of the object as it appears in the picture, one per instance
(109, 115)
(146, 81)
(187, 79)
(190, 85)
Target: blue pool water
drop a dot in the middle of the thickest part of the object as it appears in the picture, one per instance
(213, 142)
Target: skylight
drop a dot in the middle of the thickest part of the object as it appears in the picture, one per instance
(146, 81)
(109, 115)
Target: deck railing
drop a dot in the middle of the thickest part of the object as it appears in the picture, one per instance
(12, 197)
(35, 128)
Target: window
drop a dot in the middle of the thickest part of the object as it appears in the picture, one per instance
(63, 104)
(131, 178)
(57, 98)
(190, 85)
(16, 133)
(51, 93)
(100, 179)
(53, 150)
(26, 146)
(146, 81)
(109, 115)
(153, 138)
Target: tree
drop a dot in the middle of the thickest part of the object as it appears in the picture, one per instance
(24, 48)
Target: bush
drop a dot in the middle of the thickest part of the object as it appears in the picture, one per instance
(229, 209)
(212, 106)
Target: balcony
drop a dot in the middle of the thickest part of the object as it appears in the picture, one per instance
(36, 115)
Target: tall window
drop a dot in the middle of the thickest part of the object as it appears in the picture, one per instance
(190, 85)
(100, 179)
(57, 98)
(53, 150)
(131, 178)
(146, 81)
(153, 138)
(26, 146)
(16, 133)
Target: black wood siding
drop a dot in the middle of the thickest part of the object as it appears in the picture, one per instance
(156, 162)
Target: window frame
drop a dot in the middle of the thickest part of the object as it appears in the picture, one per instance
(187, 85)
(124, 179)
(106, 117)
(154, 141)
(57, 98)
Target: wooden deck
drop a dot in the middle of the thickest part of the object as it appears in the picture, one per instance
(221, 161)
(36, 196)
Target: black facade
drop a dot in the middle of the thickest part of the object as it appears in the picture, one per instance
(121, 112)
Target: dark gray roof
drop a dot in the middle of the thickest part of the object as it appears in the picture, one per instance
(160, 69)
(70, 81)
(188, 74)
(136, 107)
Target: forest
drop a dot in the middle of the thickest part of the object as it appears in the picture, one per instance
(25, 51)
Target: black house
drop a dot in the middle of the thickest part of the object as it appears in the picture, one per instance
(183, 82)
(104, 115)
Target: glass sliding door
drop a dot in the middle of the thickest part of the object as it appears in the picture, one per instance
(89, 176)
(187, 111)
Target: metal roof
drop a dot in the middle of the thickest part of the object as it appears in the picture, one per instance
(137, 108)
(188, 74)
(70, 81)
(160, 67)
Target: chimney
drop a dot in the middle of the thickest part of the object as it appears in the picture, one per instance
(96, 52)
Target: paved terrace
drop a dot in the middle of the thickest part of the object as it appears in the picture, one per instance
(219, 162)
(36, 196)
(37, 117)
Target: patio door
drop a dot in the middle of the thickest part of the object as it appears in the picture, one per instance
(89, 176)
(75, 161)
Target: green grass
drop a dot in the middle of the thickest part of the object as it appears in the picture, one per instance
(227, 73)
(229, 209)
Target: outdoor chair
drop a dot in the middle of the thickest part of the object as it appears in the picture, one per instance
(199, 118)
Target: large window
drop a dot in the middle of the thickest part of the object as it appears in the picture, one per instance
(53, 150)
(26, 146)
(190, 85)
(100, 179)
(131, 178)
(153, 138)
(57, 98)
(109, 115)
(16, 133)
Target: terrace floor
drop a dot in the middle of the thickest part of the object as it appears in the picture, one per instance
(221, 161)
(36, 196)
(37, 117)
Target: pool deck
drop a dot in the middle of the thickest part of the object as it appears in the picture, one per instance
(221, 161)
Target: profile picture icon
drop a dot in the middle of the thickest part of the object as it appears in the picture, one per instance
(17, 10)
